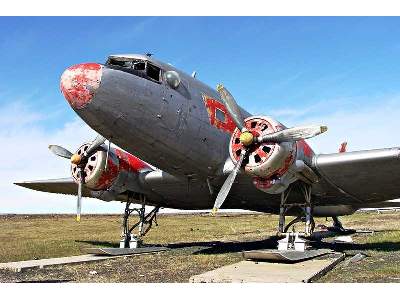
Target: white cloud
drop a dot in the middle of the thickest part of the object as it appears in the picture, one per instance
(24, 155)
(362, 122)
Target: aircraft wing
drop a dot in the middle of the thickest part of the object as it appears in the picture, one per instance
(58, 186)
(365, 176)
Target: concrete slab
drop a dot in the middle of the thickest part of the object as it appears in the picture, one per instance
(286, 256)
(18, 266)
(250, 271)
(123, 251)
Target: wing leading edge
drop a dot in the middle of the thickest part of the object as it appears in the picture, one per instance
(59, 186)
(369, 176)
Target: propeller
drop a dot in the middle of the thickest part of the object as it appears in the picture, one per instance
(60, 151)
(226, 187)
(292, 134)
(247, 139)
(232, 107)
(79, 200)
(80, 161)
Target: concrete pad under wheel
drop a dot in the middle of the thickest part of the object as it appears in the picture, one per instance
(289, 256)
(19, 266)
(250, 271)
(123, 251)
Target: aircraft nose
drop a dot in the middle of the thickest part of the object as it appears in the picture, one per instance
(80, 82)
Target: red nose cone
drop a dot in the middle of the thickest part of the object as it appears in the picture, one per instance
(79, 83)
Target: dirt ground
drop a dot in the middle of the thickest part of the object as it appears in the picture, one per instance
(198, 243)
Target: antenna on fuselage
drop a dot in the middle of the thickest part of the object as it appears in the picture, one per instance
(148, 54)
(194, 74)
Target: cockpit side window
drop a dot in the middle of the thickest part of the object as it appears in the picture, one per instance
(119, 63)
(137, 67)
(153, 72)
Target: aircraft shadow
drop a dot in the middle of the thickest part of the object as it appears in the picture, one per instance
(207, 247)
(219, 247)
(374, 246)
(102, 244)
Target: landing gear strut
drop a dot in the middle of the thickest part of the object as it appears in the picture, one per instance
(132, 236)
(337, 225)
(305, 208)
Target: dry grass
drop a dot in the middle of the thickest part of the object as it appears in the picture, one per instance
(200, 243)
(30, 237)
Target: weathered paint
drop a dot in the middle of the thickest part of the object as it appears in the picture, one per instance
(126, 163)
(108, 176)
(129, 162)
(343, 147)
(79, 83)
(255, 131)
(286, 165)
(262, 183)
(115, 112)
(305, 148)
(212, 105)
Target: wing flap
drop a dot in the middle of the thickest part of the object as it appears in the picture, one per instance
(369, 176)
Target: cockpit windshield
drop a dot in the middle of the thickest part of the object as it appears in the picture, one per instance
(138, 67)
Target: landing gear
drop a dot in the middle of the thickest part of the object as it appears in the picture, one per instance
(337, 226)
(132, 236)
(304, 207)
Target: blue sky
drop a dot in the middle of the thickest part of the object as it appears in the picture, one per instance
(268, 62)
(337, 70)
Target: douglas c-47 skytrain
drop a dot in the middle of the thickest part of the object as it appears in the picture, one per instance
(188, 146)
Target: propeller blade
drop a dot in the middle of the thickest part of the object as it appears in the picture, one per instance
(60, 151)
(226, 187)
(231, 106)
(79, 200)
(94, 145)
(292, 134)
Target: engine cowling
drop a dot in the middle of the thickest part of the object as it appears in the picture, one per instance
(268, 163)
(115, 176)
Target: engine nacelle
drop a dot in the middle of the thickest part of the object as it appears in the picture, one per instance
(268, 163)
(109, 179)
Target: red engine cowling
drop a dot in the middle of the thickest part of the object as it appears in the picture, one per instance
(97, 177)
(268, 163)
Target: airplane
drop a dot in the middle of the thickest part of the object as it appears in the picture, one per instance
(181, 144)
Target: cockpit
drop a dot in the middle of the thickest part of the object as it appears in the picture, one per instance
(139, 67)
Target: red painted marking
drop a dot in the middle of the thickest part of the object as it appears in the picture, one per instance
(129, 162)
(262, 183)
(343, 147)
(79, 82)
(212, 105)
(286, 165)
(107, 178)
(256, 131)
(306, 148)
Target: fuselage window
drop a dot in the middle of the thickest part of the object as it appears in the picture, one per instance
(220, 115)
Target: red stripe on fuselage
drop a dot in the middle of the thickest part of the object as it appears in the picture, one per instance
(129, 162)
